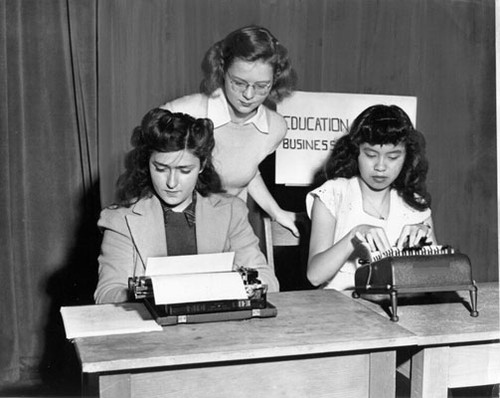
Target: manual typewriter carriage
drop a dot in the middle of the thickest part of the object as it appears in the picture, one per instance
(427, 269)
(254, 305)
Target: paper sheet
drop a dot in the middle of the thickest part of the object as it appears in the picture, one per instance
(214, 262)
(190, 288)
(106, 319)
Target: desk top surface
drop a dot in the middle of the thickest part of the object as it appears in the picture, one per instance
(444, 318)
(308, 322)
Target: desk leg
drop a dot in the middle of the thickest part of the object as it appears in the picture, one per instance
(90, 385)
(429, 373)
(382, 374)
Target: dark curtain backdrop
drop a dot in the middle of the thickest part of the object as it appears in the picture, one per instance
(76, 76)
(49, 178)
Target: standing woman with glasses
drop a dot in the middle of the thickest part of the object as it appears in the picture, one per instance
(241, 72)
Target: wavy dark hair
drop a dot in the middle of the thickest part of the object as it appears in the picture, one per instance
(164, 131)
(251, 43)
(380, 125)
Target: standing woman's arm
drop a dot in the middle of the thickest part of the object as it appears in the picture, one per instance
(258, 189)
(259, 192)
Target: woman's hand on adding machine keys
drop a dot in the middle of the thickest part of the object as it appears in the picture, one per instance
(374, 237)
(414, 235)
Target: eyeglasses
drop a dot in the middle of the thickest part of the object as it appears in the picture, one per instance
(240, 85)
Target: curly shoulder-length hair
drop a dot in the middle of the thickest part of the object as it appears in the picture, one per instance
(381, 125)
(251, 43)
(163, 131)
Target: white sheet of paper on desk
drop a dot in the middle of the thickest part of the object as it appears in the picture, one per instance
(198, 263)
(106, 319)
(189, 288)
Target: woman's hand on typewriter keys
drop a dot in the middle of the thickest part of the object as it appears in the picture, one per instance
(415, 235)
(374, 237)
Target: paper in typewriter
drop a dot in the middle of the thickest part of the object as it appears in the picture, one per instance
(192, 264)
(196, 278)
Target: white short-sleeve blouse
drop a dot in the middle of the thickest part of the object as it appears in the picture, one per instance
(342, 197)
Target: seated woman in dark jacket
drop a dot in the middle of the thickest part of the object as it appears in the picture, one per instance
(170, 203)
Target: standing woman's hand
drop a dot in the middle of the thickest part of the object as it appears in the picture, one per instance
(259, 192)
(287, 219)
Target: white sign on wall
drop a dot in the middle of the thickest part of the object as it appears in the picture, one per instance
(315, 121)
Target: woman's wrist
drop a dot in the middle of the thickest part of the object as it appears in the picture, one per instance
(426, 224)
(275, 212)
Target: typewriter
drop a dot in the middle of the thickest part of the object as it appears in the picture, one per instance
(415, 270)
(254, 305)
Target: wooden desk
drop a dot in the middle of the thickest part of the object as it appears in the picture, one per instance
(320, 344)
(454, 349)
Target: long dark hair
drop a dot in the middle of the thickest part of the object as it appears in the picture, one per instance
(164, 131)
(251, 43)
(380, 125)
